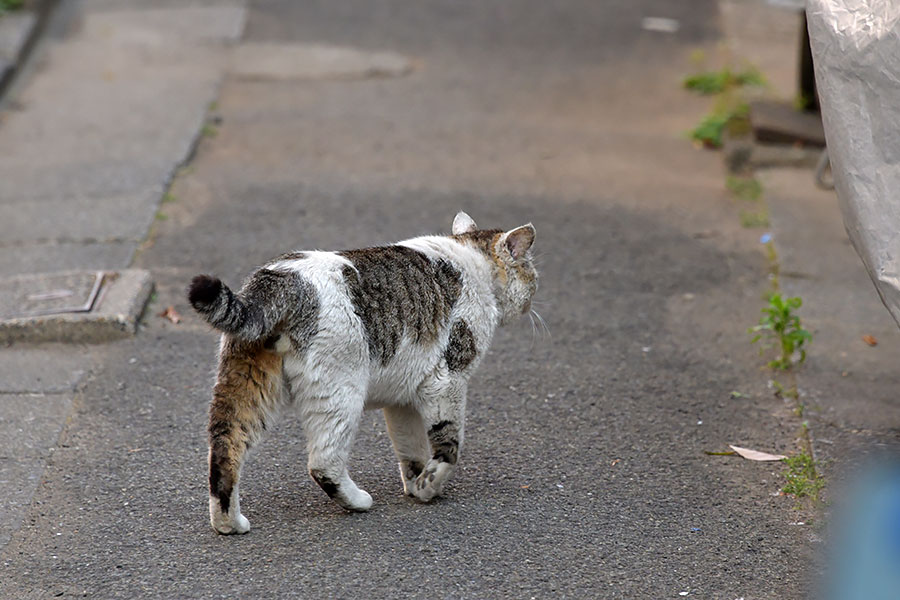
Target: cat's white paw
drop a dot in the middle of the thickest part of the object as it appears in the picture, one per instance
(227, 526)
(360, 501)
(224, 523)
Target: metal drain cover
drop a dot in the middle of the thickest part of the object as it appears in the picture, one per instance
(76, 306)
(54, 294)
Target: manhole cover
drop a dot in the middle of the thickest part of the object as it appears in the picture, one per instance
(38, 295)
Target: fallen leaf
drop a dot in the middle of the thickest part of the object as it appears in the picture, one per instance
(756, 454)
(870, 340)
(171, 314)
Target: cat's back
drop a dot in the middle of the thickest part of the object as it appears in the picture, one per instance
(399, 299)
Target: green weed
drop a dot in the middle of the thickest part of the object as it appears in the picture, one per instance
(9, 5)
(781, 325)
(716, 82)
(744, 188)
(753, 219)
(802, 102)
(802, 479)
(724, 116)
(209, 130)
(785, 392)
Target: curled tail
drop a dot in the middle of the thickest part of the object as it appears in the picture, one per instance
(253, 313)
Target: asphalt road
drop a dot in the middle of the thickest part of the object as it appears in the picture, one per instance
(584, 473)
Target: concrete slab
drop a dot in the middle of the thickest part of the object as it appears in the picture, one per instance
(108, 115)
(314, 61)
(41, 369)
(31, 296)
(744, 153)
(76, 177)
(30, 425)
(115, 315)
(780, 123)
(19, 478)
(54, 257)
(123, 217)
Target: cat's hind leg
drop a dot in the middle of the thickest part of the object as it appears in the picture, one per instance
(444, 409)
(246, 393)
(330, 425)
(407, 431)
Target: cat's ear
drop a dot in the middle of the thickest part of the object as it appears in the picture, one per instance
(463, 223)
(518, 241)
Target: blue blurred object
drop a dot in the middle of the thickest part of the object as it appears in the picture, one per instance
(866, 553)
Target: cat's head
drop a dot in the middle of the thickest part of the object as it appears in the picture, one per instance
(515, 279)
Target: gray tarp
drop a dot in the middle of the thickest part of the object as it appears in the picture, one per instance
(856, 51)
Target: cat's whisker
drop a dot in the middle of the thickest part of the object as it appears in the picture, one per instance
(541, 321)
(533, 330)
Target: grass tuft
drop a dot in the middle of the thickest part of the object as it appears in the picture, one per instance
(744, 188)
(715, 82)
(802, 478)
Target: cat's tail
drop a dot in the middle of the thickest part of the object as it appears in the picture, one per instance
(251, 314)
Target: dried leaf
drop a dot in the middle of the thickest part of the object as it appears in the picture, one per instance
(171, 314)
(870, 340)
(756, 454)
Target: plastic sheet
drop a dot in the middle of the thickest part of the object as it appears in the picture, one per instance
(856, 52)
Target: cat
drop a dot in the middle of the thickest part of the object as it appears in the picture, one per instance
(399, 327)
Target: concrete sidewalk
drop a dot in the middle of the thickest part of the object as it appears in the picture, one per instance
(101, 120)
(848, 387)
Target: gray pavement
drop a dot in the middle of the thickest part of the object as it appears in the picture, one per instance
(109, 107)
(584, 474)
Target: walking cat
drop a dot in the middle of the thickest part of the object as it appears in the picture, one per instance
(399, 327)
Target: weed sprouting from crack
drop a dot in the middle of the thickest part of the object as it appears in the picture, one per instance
(728, 116)
(715, 82)
(781, 325)
(744, 188)
(802, 479)
(730, 112)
